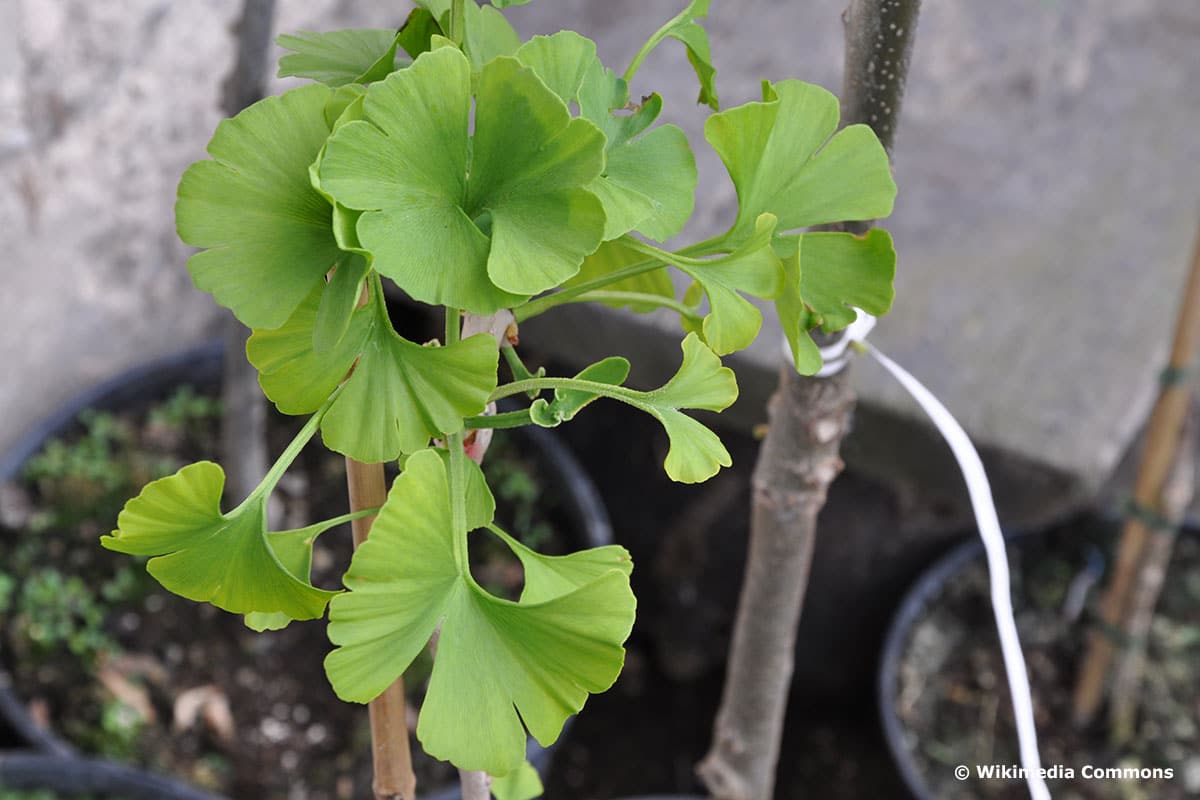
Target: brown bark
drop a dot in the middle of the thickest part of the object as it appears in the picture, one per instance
(798, 461)
(1162, 442)
(391, 757)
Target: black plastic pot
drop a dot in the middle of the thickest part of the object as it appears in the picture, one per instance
(72, 775)
(926, 590)
(48, 762)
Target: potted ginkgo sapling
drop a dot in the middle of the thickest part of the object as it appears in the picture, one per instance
(485, 177)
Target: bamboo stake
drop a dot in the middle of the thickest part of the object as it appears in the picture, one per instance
(1162, 442)
(1152, 573)
(390, 755)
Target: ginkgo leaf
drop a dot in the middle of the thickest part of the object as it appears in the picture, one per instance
(783, 161)
(695, 39)
(615, 255)
(521, 223)
(649, 182)
(568, 402)
(828, 276)
(794, 317)
(400, 394)
(548, 577)
(696, 453)
(201, 554)
(338, 301)
(337, 58)
(294, 549)
(499, 663)
(840, 272)
(416, 36)
(267, 230)
(486, 33)
(523, 783)
(733, 322)
(686, 28)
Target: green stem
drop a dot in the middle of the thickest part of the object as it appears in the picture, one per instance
(289, 454)
(458, 473)
(658, 260)
(593, 387)
(317, 528)
(654, 41)
(546, 302)
(644, 298)
(681, 259)
(508, 419)
(457, 21)
(519, 370)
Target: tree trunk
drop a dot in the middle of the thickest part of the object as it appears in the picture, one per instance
(798, 461)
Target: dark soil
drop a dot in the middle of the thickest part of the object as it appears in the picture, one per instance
(645, 735)
(953, 696)
(126, 670)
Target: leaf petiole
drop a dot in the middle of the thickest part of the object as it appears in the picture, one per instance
(281, 465)
(645, 298)
(540, 305)
(519, 370)
(630, 396)
(457, 30)
(654, 41)
(507, 419)
(317, 528)
(458, 473)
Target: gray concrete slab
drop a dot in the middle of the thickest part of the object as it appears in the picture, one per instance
(1048, 165)
(1049, 175)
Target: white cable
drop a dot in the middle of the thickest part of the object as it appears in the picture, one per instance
(997, 558)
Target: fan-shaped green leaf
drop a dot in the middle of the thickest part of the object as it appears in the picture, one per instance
(337, 58)
(649, 183)
(685, 27)
(486, 33)
(224, 559)
(400, 393)
(523, 783)
(695, 453)
(548, 577)
(499, 663)
(782, 161)
(267, 229)
(828, 276)
(416, 36)
(732, 321)
(521, 224)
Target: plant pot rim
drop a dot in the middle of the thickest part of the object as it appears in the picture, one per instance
(916, 600)
(201, 366)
